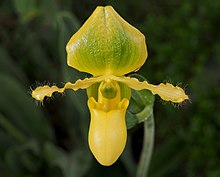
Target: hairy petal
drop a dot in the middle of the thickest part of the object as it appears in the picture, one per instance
(167, 91)
(40, 92)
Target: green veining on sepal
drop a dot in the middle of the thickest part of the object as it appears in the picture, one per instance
(106, 44)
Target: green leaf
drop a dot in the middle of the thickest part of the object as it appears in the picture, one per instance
(11, 129)
(74, 164)
(19, 111)
(26, 9)
(67, 23)
(9, 66)
(6, 141)
(24, 155)
(168, 156)
(141, 105)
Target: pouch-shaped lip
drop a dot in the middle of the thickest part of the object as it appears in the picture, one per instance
(107, 132)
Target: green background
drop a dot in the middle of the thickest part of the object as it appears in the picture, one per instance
(183, 41)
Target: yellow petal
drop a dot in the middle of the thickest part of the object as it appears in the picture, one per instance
(40, 92)
(106, 44)
(167, 91)
(107, 132)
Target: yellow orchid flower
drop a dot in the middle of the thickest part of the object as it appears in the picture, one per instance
(108, 47)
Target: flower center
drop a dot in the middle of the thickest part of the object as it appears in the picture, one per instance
(109, 95)
(108, 89)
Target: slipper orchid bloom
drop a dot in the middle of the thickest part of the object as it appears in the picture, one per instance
(108, 47)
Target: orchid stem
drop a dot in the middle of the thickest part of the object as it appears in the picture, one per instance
(148, 142)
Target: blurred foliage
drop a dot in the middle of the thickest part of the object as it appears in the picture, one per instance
(184, 46)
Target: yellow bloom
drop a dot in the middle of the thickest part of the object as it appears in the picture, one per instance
(107, 132)
(107, 47)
